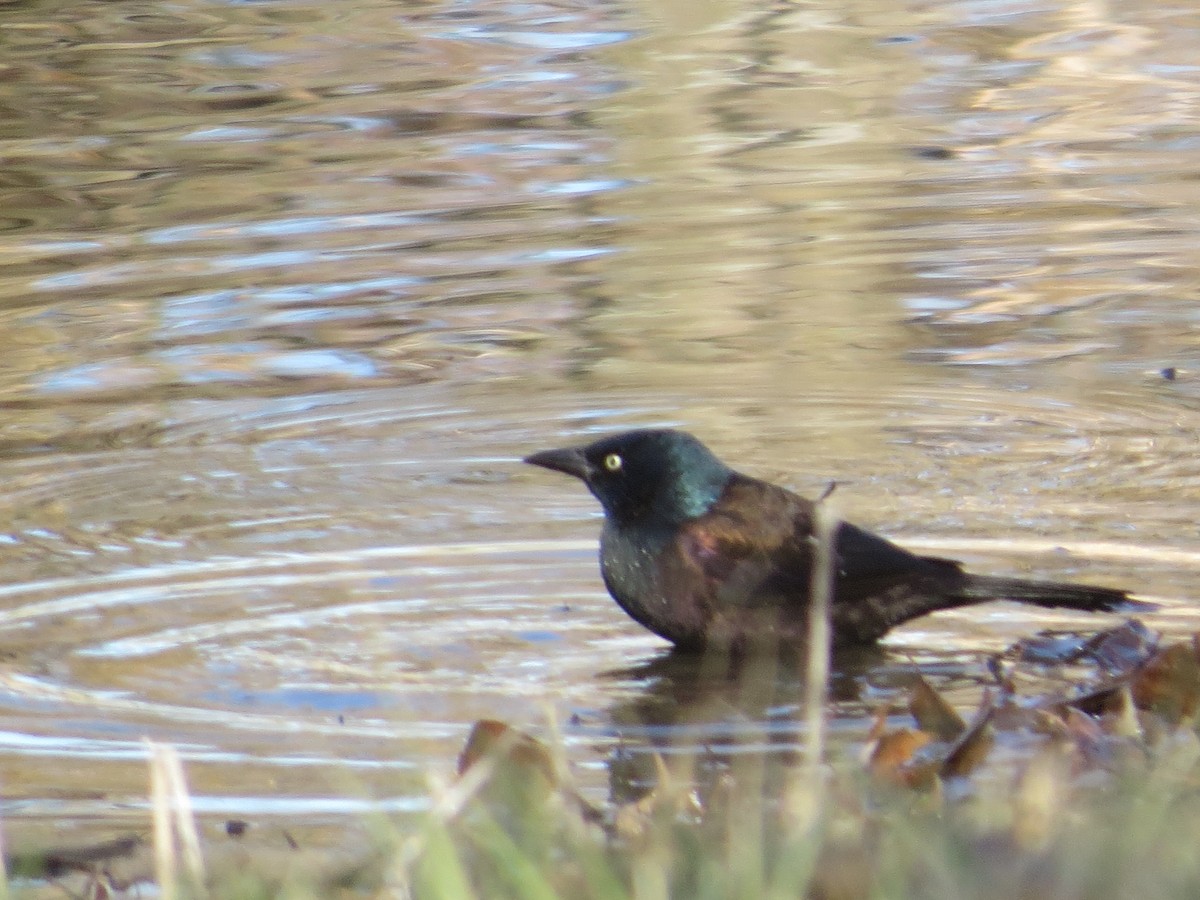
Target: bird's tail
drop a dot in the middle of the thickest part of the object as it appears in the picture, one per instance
(980, 588)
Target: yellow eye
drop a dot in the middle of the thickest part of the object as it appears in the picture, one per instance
(613, 462)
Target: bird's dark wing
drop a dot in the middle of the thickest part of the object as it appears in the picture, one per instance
(744, 569)
(755, 546)
(868, 563)
(749, 550)
(753, 550)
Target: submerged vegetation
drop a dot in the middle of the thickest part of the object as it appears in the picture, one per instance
(1088, 792)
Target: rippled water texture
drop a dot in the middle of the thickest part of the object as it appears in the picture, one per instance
(288, 288)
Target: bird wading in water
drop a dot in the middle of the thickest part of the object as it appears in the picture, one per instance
(708, 557)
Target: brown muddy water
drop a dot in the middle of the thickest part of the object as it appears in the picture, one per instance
(289, 288)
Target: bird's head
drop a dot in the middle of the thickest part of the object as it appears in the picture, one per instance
(653, 476)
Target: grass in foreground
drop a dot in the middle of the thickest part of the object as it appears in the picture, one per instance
(1101, 799)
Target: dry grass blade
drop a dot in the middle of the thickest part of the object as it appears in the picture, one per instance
(1120, 716)
(805, 794)
(175, 831)
(166, 859)
(3, 872)
(825, 527)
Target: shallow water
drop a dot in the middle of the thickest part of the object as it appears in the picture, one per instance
(289, 289)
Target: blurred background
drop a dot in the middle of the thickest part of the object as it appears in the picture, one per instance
(288, 288)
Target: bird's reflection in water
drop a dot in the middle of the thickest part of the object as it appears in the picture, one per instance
(705, 715)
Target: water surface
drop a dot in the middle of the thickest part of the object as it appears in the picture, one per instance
(288, 289)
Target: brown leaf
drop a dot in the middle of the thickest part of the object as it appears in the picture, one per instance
(892, 757)
(1169, 683)
(490, 738)
(932, 712)
(524, 777)
(1095, 701)
(973, 745)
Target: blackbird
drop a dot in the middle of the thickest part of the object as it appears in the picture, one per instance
(706, 556)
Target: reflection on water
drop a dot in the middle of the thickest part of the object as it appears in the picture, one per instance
(289, 289)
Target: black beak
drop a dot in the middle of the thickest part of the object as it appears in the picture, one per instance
(570, 460)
